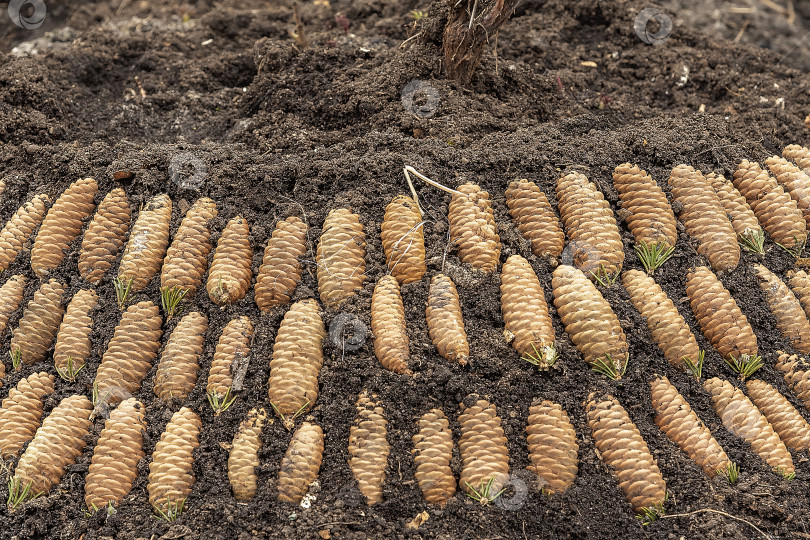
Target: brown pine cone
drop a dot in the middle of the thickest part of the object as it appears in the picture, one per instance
(11, 294)
(403, 239)
(229, 278)
(525, 312)
(798, 154)
(432, 453)
(742, 418)
(651, 219)
(114, 466)
(57, 444)
(742, 218)
(170, 474)
(62, 225)
(796, 371)
(786, 421)
(595, 241)
(473, 229)
(589, 319)
(704, 217)
(341, 257)
(301, 463)
(244, 455)
(720, 319)
(73, 339)
(297, 360)
(232, 348)
(553, 446)
(368, 448)
(622, 448)
(38, 326)
(799, 283)
(681, 425)
(484, 452)
(147, 243)
(179, 362)
(388, 326)
(786, 309)
(18, 229)
(535, 218)
(187, 257)
(668, 328)
(775, 209)
(105, 236)
(444, 321)
(280, 272)
(130, 353)
(794, 180)
(21, 412)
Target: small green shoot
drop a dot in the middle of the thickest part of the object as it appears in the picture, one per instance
(288, 423)
(608, 367)
(651, 513)
(170, 298)
(732, 473)
(122, 290)
(484, 493)
(69, 371)
(544, 358)
(16, 358)
(417, 15)
(652, 256)
(795, 251)
(19, 493)
(745, 366)
(695, 368)
(786, 475)
(753, 241)
(603, 277)
(174, 509)
(94, 393)
(220, 403)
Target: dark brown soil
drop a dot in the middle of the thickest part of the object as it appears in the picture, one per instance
(286, 129)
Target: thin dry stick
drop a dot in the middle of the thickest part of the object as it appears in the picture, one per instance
(713, 511)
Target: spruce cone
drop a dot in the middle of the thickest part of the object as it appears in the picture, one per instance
(796, 371)
(388, 326)
(794, 180)
(147, 243)
(57, 444)
(403, 239)
(341, 257)
(11, 294)
(786, 309)
(799, 283)
(244, 455)
(40, 321)
(622, 448)
(681, 425)
(787, 422)
(535, 218)
(668, 328)
(229, 278)
(651, 219)
(301, 463)
(62, 225)
(129, 354)
(720, 319)
(588, 318)
(444, 321)
(798, 154)
(280, 272)
(22, 411)
(170, 473)
(73, 345)
(18, 229)
(472, 228)
(553, 446)
(232, 348)
(525, 312)
(775, 209)
(297, 361)
(741, 418)
(705, 218)
(187, 257)
(595, 242)
(179, 362)
(114, 466)
(368, 448)
(484, 452)
(433, 451)
(737, 210)
(105, 236)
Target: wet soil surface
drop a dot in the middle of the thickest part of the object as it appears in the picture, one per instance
(283, 129)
